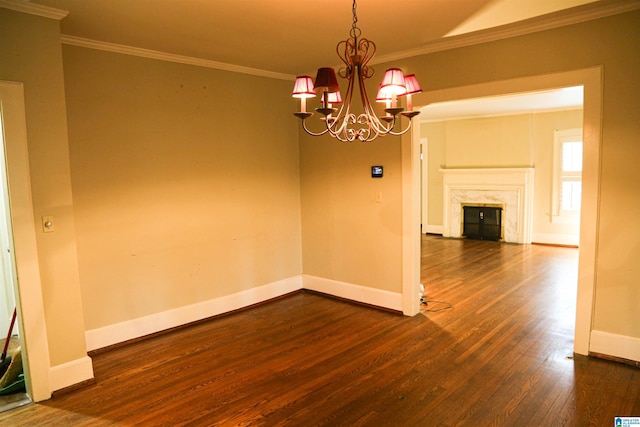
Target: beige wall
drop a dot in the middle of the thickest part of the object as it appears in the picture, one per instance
(489, 142)
(436, 159)
(185, 183)
(522, 140)
(188, 184)
(612, 42)
(347, 235)
(544, 125)
(30, 52)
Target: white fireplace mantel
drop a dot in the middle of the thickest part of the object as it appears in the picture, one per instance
(509, 187)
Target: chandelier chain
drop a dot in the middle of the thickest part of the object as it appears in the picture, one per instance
(355, 30)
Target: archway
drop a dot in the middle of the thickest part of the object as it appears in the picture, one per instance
(590, 79)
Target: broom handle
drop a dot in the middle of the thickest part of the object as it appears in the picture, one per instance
(6, 343)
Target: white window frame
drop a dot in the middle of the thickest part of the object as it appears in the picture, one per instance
(559, 215)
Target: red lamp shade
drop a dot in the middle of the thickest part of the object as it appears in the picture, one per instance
(383, 96)
(412, 84)
(334, 98)
(393, 82)
(326, 80)
(303, 87)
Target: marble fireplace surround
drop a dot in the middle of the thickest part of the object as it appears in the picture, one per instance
(510, 187)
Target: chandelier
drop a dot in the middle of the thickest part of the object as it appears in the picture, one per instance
(343, 123)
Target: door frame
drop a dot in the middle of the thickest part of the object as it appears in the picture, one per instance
(14, 165)
(591, 80)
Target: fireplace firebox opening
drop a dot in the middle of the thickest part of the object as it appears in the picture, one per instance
(482, 221)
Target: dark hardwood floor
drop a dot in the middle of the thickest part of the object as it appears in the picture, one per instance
(501, 356)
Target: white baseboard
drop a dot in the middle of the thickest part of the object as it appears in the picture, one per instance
(544, 238)
(136, 328)
(70, 373)
(433, 229)
(556, 239)
(615, 345)
(363, 294)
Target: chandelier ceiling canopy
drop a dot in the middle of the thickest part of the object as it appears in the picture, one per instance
(343, 123)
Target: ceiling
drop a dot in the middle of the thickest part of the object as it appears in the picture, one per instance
(549, 100)
(288, 36)
(285, 38)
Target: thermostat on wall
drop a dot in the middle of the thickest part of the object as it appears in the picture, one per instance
(376, 171)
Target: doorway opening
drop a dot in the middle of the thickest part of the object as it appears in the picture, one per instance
(14, 165)
(477, 150)
(590, 80)
(13, 391)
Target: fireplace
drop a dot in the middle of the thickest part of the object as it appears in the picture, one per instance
(482, 222)
(508, 188)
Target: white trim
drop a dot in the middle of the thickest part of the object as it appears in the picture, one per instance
(410, 153)
(31, 319)
(169, 57)
(433, 229)
(70, 373)
(592, 80)
(363, 294)
(588, 12)
(142, 326)
(136, 328)
(34, 9)
(615, 345)
(556, 239)
(515, 112)
(424, 180)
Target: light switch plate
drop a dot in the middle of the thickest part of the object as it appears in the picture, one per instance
(48, 224)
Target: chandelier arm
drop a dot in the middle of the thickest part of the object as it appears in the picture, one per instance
(340, 126)
(344, 50)
(396, 119)
(364, 134)
(355, 52)
(367, 50)
(345, 133)
(310, 132)
(402, 132)
(341, 119)
(374, 122)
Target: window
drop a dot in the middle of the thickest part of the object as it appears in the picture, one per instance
(567, 175)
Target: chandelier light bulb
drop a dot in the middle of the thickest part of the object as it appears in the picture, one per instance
(393, 82)
(413, 87)
(303, 89)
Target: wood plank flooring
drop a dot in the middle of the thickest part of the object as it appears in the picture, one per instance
(502, 355)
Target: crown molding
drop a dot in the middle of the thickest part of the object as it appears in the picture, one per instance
(34, 9)
(588, 12)
(170, 57)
